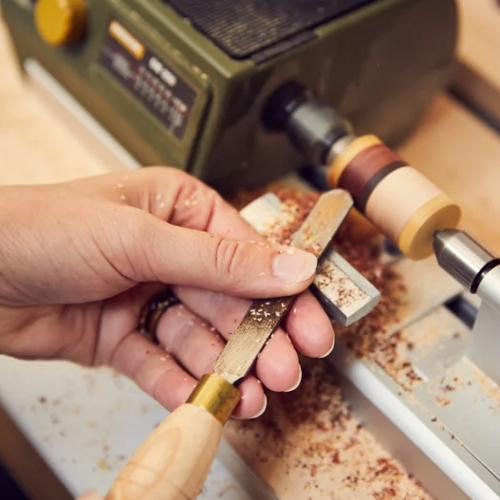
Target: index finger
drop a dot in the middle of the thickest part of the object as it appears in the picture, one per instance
(195, 205)
(173, 196)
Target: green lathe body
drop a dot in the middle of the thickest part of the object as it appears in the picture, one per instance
(183, 82)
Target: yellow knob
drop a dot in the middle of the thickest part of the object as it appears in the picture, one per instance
(60, 22)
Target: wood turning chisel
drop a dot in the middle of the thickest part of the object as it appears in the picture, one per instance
(174, 461)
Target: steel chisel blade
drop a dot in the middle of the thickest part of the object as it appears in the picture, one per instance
(238, 356)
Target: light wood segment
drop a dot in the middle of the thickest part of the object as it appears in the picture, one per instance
(403, 197)
(174, 461)
(417, 236)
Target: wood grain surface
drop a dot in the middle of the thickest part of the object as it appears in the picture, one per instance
(174, 461)
(479, 40)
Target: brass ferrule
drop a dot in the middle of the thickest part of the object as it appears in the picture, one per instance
(216, 396)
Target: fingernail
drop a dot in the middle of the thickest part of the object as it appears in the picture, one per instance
(298, 381)
(329, 350)
(294, 266)
(263, 409)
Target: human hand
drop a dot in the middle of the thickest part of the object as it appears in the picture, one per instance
(78, 261)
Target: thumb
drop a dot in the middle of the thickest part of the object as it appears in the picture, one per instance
(188, 257)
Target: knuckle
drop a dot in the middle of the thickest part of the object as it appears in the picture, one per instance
(228, 258)
(157, 177)
(178, 174)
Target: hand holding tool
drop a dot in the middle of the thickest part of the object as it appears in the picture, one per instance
(175, 459)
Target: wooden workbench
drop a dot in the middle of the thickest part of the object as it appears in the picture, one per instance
(453, 148)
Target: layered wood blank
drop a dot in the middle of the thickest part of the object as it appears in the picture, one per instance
(400, 201)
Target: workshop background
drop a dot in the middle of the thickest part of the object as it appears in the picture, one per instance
(456, 145)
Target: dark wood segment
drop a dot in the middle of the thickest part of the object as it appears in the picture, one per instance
(366, 170)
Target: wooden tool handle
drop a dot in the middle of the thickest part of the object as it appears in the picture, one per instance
(173, 463)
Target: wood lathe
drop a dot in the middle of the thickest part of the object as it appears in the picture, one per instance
(182, 82)
(420, 220)
(431, 434)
